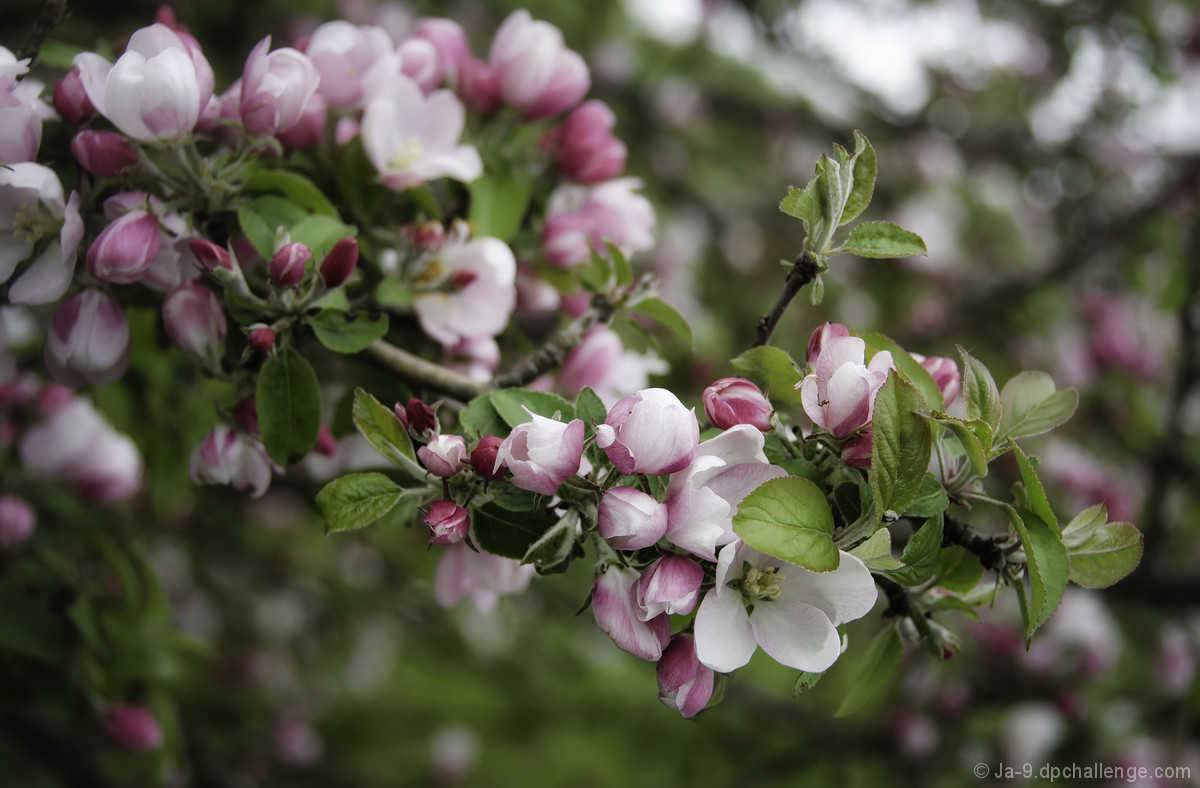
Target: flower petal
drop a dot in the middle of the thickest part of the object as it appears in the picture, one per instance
(795, 634)
(845, 594)
(724, 638)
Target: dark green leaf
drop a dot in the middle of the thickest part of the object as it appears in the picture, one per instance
(913, 372)
(294, 187)
(878, 665)
(343, 332)
(1034, 489)
(661, 312)
(497, 206)
(590, 408)
(357, 500)
(920, 555)
(289, 407)
(772, 369)
(506, 533)
(789, 518)
(931, 498)
(901, 442)
(880, 240)
(480, 417)
(511, 405)
(379, 425)
(980, 394)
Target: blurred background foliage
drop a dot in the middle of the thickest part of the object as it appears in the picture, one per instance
(1046, 151)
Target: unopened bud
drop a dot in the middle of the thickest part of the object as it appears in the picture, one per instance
(448, 523)
(245, 414)
(17, 523)
(71, 100)
(326, 444)
(732, 401)
(418, 417)
(340, 262)
(287, 266)
(103, 153)
(262, 337)
(209, 255)
(195, 320)
(445, 455)
(125, 249)
(133, 728)
(483, 458)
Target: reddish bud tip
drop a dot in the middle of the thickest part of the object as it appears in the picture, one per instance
(340, 262)
(209, 255)
(287, 266)
(262, 338)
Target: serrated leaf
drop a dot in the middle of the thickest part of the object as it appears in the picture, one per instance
(1034, 489)
(913, 371)
(551, 553)
(497, 206)
(345, 332)
(289, 407)
(661, 312)
(790, 519)
(1091, 517)
(876, 552)
(931, 498)
(901, 442)
(980, 394)
(294, 186)
(480, 417)
(1031, 406)
(590, 408)
(882, 240)
(357, 500)
(976, 457)
(920, 556)
(379, 425)
(320, 233)
(804, 682)
(878, 665)
(864, 167)
(511, 405)
(958, 569)
(509, 534)
(1047, 564)
(1101, 553)
(773, 370)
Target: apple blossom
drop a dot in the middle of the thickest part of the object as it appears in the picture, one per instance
(448, 523)
(470, 290)
(535, 72)
(21, 115)
(631, 519)
(483, 577)
(276, 88)
(684, 683)
(124, 250)
(580, 218)
(617, 615)
(444, 456)
(839, 395)
(483, 458)
(70, 99)
(77, 445)
(669, 585)
(88, 340)
(542, 453)
(449, 41)
(33, 209)
(820, 336)
(103, 153)
(195, 320)
(944, 373)
(286, 268)
(587, 150)
(226, 456)
(343, 53)
(309, 128)
(731, 401)
(602, 362)
(209, 255)
(791, 612)
(649, 432)
(133, 728)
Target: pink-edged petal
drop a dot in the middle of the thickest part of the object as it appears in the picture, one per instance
(93, 72)
(699, 521)
(849, 406)
(724, 638)
(616, 615)
(845, 594)
(839, 351)
(795, 634)
(812, 401)
(46, 280)
(735, 483)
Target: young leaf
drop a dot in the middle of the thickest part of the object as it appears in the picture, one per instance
(900, 446)
(506, 533)
(931, 499)
(1047, 563)
(1101, 552)
(595, 273)
(343, 332)
(497, 206)
(863, 165)
(294, 186)
(379, 425)
(920, 555)
(661, 312)
(590, 408)
(878, 665)
(914, 372)
(958, 569)
(480, 417)
(980, 394)
(511, 405)
(804, 682)
(880, 240)
(357, 500)
(790, 519)
(1033, 487)
(551, 553)
(772, 369)
(289, 407)
(976, 456)
(620, 264)
(1031, 406)
(876, 552)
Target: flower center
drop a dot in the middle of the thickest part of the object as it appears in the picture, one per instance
(759, 584)
(407, 154)
(33, 223)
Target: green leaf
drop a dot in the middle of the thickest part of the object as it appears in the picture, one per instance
(289, 407)
(620, 264)
(804, 682)
(320, 233)
(357, 500)
(790, 519)
(590, 408)
(880, 240)
(1031, 406)
(772, 369)
(863, 166)
(294, 187)
(1034, 489)
(976, 456)
(661, 312)
(958, 569)
(480, 417)
(1047, 564)
(551, 554)
(876, 552)
(980, 394)
(931, 498)
(389, 293)
(497, 206)
(921, 554)
(506, 533)
(878, 665)
(1101, 552)
(511, 405)
(346, 332)
(914, 373)
(379, 425)
(901, 442)
(262, 219)
(956, 603)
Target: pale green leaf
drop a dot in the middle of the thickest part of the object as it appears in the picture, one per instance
(880, 240)
(790, 519)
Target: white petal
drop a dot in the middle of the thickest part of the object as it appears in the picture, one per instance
(795, 634)
(845, 594)
(46, 280)
(724, 639)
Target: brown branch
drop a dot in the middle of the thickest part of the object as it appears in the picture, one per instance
(804, 270)
(987, 548)
(553, 353)
(426, 373)
(53, 14)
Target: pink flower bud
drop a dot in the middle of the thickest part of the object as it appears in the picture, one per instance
(587, 150)
(296, 743)
(649, 432)
(483, 458)
(418, 418)
(17, 523)
(426, 236)
(287, 266)
(245, 414)
(478, 86)
(732, 401)
(276, 87)
(839, 395)
(340, 262)
(133, 728)
(613, 606)
(209, 255)
(535, 72)
(71, 100)
(225, 456)
(684, 684)
(821, 337)
(309, 129)
(669, 585)
(326, 444)
(448, 523)
(88, 340)
(944, 373)
(542, 453)
(857, 452)
(448, 40)
(195, 320)
(262, 338)
(103, 153)
(445, 455)
(124, 250)
(631, 519)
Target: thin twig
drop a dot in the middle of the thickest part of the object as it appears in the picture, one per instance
(553, 353)
(53, 14)
(426, 373)
(988, 549)
(804, 270)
